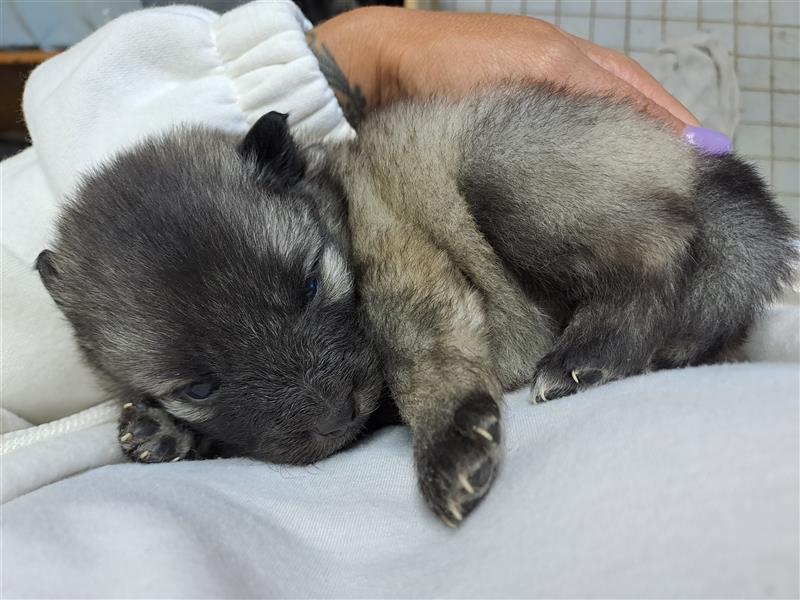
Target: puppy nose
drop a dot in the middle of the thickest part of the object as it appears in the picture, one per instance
(338, 420)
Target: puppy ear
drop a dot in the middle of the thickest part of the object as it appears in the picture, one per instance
(48, 272)
(271, 146)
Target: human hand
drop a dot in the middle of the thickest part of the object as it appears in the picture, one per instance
(377, 55)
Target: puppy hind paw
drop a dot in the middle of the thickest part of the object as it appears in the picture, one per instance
(458, 467)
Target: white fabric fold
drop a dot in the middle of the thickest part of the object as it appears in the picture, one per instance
(700, 72)
(36, 456)
(148, 70)
(140, 74)
(677, 484)
(43, 377)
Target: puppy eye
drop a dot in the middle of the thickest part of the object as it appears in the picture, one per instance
(200, 390)
(312, 286)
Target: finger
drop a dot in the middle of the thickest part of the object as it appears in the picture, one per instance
(632, 73)
(590, 79)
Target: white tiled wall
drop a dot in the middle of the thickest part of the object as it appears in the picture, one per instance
(763, 35)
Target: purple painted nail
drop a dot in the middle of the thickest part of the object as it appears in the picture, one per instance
(707, 140)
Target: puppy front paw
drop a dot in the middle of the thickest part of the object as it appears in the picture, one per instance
(584, 360)
(150, 434)
(558, 376)
(456, 466)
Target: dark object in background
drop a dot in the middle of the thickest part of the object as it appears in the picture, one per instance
(15, 66)
(320, 10)
(315, 10)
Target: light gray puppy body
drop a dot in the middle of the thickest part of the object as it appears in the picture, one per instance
(430, 184)
(523, 235)
(585, 169)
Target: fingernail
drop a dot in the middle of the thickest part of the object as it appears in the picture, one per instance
(707, 140)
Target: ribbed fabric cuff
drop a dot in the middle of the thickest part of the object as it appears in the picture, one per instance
(149, 70)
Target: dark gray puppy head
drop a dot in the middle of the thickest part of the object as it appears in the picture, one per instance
(213, 276)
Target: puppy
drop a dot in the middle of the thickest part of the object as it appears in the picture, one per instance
(220, 290)
(262, 296)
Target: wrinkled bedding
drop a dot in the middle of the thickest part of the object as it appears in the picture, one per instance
(674, 484)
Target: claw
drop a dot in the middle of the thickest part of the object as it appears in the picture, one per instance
(483, 433)
(127, 405)
(454, 512)
(574, 377)
(448, 522)
(462, 479)
(126, 437)
(144, 455)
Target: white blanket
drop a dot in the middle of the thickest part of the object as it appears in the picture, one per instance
(680, 484)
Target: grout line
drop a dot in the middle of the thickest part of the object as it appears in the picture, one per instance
(735, 25)
(663, 21)
(765, 56)
(767, 124)
(777, 90)
(697, 15)
(766, 158)
(737, 56)
(627, 46)
(709, 20)
(592, 17)
(558, 13)
(771, 101)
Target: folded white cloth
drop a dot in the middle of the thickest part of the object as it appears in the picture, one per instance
(36, 456)
(700, 72)
(151, 69)
(140, 74)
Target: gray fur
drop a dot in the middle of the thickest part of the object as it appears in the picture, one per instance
(524, 235)
(584, 242)
(175, 262)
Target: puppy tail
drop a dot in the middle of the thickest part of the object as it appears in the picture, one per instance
(743, 256)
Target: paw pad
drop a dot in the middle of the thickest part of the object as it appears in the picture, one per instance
(149, 434)
(456, 470)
